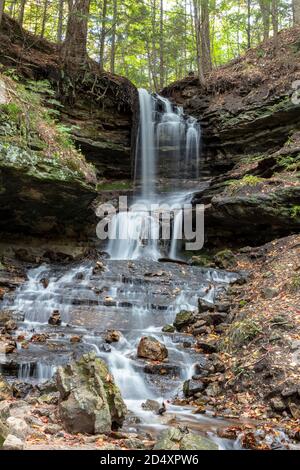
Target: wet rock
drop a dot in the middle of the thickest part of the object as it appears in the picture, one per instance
(10, 326)
(90, 400)
(204, 306)
(183, 439)
(5, 316)
(49, 399)
(184, 319)
(21, 389)
(151, 405)
(5, 389)
(106, 348)
(207, 347)
(112, 336)
(223, 307)
(150, 348)
(7, 346)
(39, 338)
(162, 369)
(55, 318)
(133, 443)
(17, 427)
(45, 282)
(13, 443)
(99, 267)
(75, 339)
(168, 329)
(191, 387)
(277, 404)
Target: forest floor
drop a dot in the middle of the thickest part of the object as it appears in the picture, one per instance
(260, 347)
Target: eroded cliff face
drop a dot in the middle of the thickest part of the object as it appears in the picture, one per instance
(250, 117)
(100, 107)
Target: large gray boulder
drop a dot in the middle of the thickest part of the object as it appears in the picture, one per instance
(178, 439)
(150, 348)
(90, 401)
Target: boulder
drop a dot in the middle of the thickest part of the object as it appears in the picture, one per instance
(183, 319)
(55, 318)
(112, 336)
(5, 389)
(13, 443)
(17, 427)
(151, 348)
(178, 439)
(191, 387)
(204, 306)
(90, 401)
(168, 329)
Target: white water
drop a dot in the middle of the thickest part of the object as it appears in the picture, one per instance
(168, 138)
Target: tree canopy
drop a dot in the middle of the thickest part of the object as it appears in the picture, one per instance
(158, 41)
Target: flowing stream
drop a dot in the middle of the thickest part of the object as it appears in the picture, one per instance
(133, 294)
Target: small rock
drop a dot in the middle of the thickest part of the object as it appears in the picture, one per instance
(294, 410)
(39, 338)
(183, 319)
(277, 404)
(213, 390)
(112, 336)
(10, 326)
(168, 329)
(269, 292)
(204, 306)
(55, 318)
(151, 348)
(45, 282)
(13, 443)
(151, 405)
(5, 389)
(183, 439)
(206, 347)
(52, 428)
(98, 268)
(106, 347)
(75, 339)
(7, 346)
(191, 387)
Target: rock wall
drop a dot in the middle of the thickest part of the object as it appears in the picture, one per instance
(250, 117)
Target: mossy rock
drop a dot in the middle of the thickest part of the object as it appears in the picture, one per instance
(183, 319)
(176, 439)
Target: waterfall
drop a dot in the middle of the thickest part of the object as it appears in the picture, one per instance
(168, 148)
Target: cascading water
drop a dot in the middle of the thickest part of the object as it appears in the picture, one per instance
(168, 146)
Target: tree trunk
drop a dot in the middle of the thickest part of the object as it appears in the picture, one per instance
(44, 20)
(249, 23)
(1, 9)
(161, 45)
(296, 11)
(205, 37)
(21, 12)
(275, 22)
(113, 38)
(198, 41)
(103, 34)
(154, 52)
(74, 47)
(265, 8)
(60, 21)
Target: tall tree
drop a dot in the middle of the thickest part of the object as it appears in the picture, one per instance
(44, 18)
(60, 21)
(103, 34)
(275, 22)
(113, 37)
(296, 11)
(265, 7)
(21, 12)
(161, 45)
(1, 10)
(74, 47)
(196, 4)
(248, 24)
(205, 37)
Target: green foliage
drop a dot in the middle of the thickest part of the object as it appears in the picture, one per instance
(12, 110)
(247, 180)
(241, 333)
(114, 186)
(295, 283)
(295, 212)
